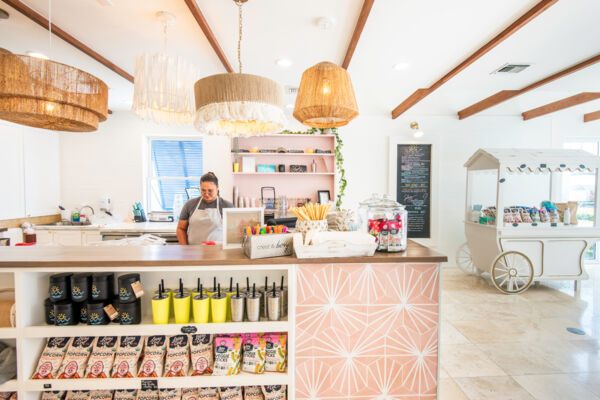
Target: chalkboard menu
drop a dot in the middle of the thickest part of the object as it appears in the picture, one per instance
(413, 187)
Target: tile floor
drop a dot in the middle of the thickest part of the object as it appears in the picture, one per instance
(495, 346)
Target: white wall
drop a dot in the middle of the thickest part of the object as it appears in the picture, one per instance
(112, 161)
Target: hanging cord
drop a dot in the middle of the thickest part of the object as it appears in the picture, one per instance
(50, 24)
(239, 4)
(165, 24)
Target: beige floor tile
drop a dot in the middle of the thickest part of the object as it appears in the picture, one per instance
(443, 373)
(554, 387)
(557, 327)
(450, 335)
(493, 388)
(467, 360)
(590, 381)
(519, 358)
(571, 356)
(464, 312)
(449, 390)
(502, 330)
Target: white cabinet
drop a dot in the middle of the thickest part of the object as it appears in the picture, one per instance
(44, 237)
(41, 165)
(67, 237)
(12, 198)
(88, 237)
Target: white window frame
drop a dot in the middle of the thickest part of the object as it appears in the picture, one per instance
(149, 178)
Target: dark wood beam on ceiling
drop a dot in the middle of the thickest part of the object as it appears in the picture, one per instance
(43, 22)
(593, 116)
(420, 94)
(360, 24)
(509, 94)
(561, 105)
(210, 36)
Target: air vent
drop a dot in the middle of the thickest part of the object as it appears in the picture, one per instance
(291, 90)
(512, 68)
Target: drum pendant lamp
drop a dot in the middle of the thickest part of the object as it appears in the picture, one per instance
(238, 104)
(325, 97)
(46, 94)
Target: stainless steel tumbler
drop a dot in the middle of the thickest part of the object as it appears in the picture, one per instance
(253, 307)
(237, 307)
(274, 305)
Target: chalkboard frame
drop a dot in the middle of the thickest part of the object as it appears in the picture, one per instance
(425, 232)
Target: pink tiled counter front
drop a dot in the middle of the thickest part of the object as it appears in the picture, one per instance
(367, 331)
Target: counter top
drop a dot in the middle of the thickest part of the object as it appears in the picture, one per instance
(142, 227)
(119, 256)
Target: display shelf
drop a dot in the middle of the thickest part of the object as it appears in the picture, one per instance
(283, 154)
(9, 386)
(147, 328)
(283, 173)
(8, 333)
(242, 379)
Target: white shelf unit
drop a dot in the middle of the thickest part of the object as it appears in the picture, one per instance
(29, 336)
(284, 173)
(284, 154)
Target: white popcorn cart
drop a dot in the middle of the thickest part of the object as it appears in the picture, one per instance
(517, 254)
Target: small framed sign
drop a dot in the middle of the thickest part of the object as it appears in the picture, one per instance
(234, 222)
(324, 196)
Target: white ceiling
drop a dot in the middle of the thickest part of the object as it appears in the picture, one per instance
(431, 35)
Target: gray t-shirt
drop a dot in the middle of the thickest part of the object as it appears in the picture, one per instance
(192, 204)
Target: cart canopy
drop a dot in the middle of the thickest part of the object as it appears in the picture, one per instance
(533, 160)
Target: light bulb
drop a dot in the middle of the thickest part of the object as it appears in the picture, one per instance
(326, 85)
(49, 107)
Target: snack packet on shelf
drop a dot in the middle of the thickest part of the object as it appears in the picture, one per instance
(73, 365)
(127, 356)
(78, 395)
(208, 394)
(525, 217)
(276, 352)
(544, 217)
(274, 392)
(535, 215)
(189, 394)
(154, 353)
(231, 393)
(101, 395)
(253, 393)
(201, 353)
(147, 394)
(516, 215)
(51, 358)
(508, 218)
(177, 361)
(103, 354)
(125, 394)
(228, 354)
(254, 345)
(54, 395)
(169, 394)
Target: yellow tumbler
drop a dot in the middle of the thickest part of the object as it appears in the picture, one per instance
(181, 306)
(218, 307)
(161, 307)
(201, 308)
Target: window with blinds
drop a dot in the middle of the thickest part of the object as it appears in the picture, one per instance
(175, 166)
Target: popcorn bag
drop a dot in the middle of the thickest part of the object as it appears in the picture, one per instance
(274, 392)
(127, 356)
(147, 395)
(228, 354)
(169, 394)
(177, 362)
(73, 365)
(125, 394)
(51, 358)
(54, 395)
(102, 357)
(231, 393)
(189, 394)
(154, 353)
(208, 394)
(78, 395)
(201, 352)
(101, 395)
(253, 393)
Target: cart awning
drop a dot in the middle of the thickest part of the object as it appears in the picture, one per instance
(533, 160)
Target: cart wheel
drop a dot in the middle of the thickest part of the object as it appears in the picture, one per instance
(512, 272)
(464, 261)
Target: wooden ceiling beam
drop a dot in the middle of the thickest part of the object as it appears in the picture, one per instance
(420, 94)
(43, 22)
(210, 36)
(360, 24)
(593, 116)
(509, 94)
(561, 105)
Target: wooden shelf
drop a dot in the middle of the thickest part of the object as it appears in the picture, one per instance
(147, 328)
(283, 173)
(242, 379)
(284, 154)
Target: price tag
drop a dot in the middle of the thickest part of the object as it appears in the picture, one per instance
(137, 289)
(189, 329)
(149, 384)
(111, 312)
(47, 386)
(553, 224)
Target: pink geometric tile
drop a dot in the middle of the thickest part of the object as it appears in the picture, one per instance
(312, 318)
(314, 379)
(304, 343)
(384, 318)
(420, 317)
(331, 342)
(335, 371)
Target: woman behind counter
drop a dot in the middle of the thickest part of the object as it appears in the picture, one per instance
(201, 219)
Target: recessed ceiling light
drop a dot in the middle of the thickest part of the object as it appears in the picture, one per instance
(401, 66)
(325, 23)
(283, 62)
(36, 55)
(290, 106)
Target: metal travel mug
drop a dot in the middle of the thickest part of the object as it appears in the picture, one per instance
(253, 306)
(274, 305)
(237, 307)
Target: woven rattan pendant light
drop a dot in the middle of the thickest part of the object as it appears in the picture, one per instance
(163, 86)
(238, 104)
(49, 95)
(325, 97)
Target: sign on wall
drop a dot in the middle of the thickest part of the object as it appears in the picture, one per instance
(413, 187)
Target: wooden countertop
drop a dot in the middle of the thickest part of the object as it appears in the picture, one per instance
(105, 256)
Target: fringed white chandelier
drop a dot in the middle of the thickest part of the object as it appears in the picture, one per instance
(163, 85)
(238, 104)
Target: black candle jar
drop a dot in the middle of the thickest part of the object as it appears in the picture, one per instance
(63, 313)
(103, 284)
(126, 293)
(96, 314)
(81, 309)
(130, 313)
(81, 287)
(60, 287)
(49, 313)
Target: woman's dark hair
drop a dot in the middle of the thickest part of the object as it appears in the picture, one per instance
(210, 177)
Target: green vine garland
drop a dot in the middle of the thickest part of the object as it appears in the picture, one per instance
(339, 159)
